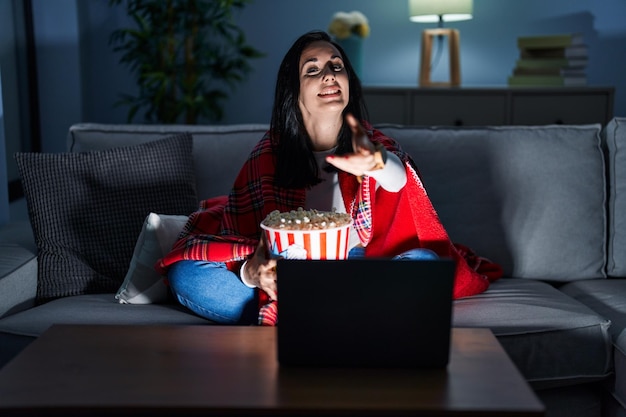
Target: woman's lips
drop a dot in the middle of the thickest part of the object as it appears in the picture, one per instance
(330, 93)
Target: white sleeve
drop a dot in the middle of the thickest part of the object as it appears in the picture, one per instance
(242, 275)
(393, 176)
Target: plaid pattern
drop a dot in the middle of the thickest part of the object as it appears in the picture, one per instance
(268, 314)
(363, 219)
(228, 229)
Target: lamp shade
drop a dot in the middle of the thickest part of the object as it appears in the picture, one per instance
(426, 11)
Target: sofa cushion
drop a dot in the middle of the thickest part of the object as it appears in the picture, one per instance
(618, 383)
(95, 309)
(582, 400)
(614, 136)
(87, 209)
(18, 278)
(553, 339)
(232, 143)
(523, 196)
(608, 298)
(143, 284)
(19, 231)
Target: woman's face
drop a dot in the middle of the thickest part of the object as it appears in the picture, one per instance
(324, 85)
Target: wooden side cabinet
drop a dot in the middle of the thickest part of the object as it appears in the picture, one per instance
(461, 106)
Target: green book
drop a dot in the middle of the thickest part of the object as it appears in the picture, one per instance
(546, 80)
(576, 51)
(550, 41)
(551, 63)
(564, 71)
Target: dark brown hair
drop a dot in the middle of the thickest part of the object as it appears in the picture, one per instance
(296, 166)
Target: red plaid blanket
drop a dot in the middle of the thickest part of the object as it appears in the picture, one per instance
(226, 229)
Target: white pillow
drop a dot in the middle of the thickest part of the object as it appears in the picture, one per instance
(142, 284)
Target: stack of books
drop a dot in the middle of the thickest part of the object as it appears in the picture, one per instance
(551, 60)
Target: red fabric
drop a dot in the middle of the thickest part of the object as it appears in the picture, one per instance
(268, 314)
(227, 229)
(407, 220)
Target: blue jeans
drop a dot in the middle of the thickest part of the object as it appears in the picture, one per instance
(212, 291)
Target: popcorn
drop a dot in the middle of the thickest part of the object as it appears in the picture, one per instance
(306, 219)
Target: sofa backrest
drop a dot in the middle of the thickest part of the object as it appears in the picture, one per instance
(531, 198)
(219, 151)
(614, 136)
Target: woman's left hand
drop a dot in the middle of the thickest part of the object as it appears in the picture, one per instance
(261, 270)
(363, 158)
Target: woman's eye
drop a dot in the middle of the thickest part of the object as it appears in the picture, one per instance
(337, 67)
(312, 70)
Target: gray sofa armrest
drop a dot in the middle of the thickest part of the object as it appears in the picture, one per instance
(18, 232)
(18, 278)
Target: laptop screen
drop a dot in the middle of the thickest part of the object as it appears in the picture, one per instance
(364, 312)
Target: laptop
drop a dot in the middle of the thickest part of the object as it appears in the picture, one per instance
(373, 313)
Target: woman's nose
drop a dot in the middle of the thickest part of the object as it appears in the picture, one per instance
(328, 73)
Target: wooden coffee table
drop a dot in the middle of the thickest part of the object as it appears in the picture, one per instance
(232, 371)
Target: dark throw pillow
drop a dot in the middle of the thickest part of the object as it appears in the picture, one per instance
(88, 208)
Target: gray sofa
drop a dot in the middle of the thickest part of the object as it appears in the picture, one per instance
(546, 202)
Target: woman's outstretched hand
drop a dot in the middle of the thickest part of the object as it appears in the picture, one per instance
(363, 157)
(260, 270)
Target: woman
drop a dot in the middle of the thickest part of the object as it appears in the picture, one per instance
(318, 153)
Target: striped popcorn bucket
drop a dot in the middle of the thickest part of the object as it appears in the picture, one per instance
(329, 243)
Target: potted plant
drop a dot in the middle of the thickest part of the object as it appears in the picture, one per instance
(185, 54)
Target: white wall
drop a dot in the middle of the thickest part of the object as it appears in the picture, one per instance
(391, 53)
(9, 116)
(59, 70)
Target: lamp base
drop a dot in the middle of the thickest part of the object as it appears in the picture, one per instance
(425, 60)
